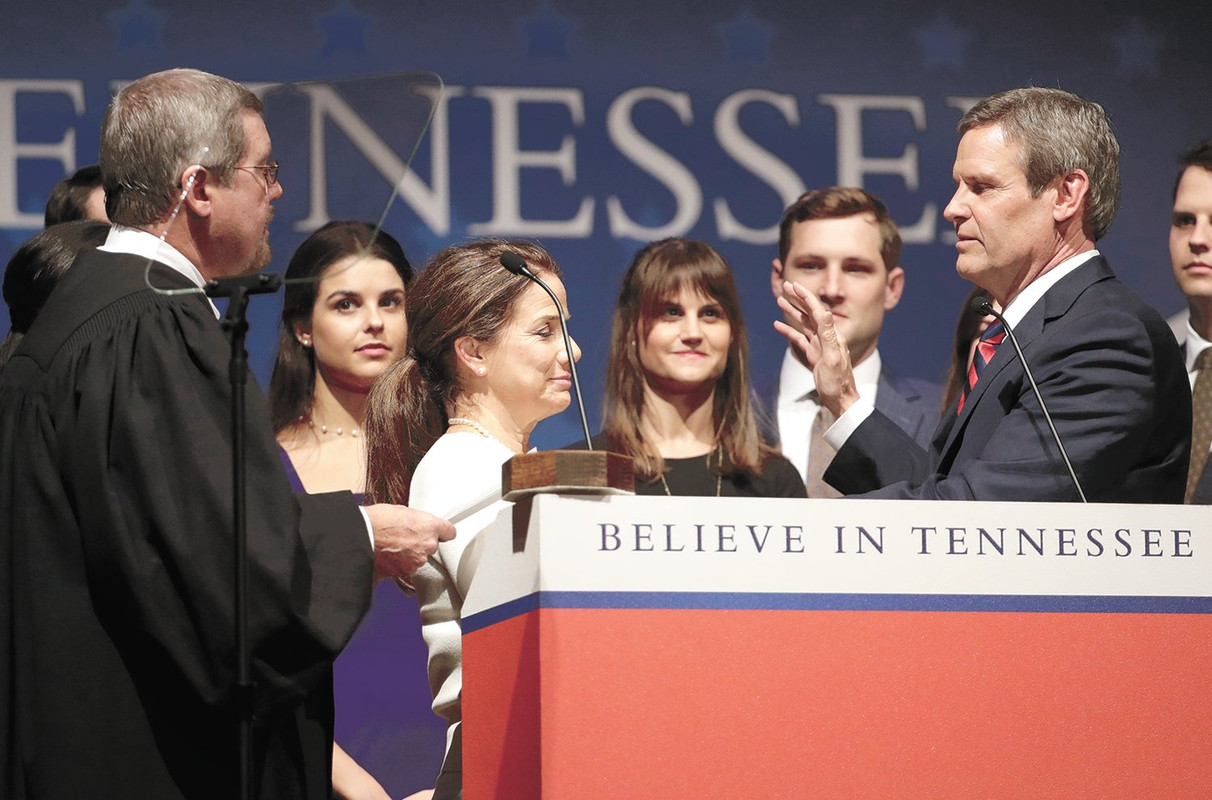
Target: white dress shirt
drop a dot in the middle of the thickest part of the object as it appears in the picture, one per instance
(135, 242)
(797, 411)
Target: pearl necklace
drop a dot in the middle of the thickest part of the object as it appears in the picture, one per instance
(323, 429)
(471, 423)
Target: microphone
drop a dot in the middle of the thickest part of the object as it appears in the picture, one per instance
(515, 264)
(984, 307)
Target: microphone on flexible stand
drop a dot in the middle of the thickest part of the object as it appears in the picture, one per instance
(984, 307)
(581, 472)
(515, 264)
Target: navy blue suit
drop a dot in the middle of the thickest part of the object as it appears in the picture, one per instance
(1113, 379)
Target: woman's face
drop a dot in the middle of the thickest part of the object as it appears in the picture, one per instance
(686, 347)
(527, 369)
(357, 326)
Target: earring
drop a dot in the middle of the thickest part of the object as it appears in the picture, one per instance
(305, 341)
(481, 371)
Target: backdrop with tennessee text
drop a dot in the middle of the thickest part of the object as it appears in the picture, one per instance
(595, 128)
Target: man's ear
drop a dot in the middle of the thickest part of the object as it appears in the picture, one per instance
(1072, 190)
(894, 288)
(196, 186)
(776, 278)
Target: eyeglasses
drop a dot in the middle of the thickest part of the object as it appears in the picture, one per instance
(270, 171)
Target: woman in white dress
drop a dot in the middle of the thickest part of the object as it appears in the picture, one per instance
(484, 363)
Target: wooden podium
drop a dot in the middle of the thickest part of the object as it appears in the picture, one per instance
(628, 647)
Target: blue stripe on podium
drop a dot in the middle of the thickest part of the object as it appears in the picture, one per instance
(779, 601)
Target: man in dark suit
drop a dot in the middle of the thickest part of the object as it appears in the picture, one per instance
(116, 549)
(840, 244)
(1037, 184)
(1191, 260)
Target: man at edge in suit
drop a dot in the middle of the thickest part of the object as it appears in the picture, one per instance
(1037, 184)
(1191, 261)
(840, 244)
(116, 548)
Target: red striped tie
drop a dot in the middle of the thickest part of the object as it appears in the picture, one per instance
(985, 350)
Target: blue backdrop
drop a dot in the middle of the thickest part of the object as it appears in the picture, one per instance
(596, 127)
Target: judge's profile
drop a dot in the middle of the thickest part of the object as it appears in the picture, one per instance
(116, 549)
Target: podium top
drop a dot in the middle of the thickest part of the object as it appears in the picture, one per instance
(844, 554)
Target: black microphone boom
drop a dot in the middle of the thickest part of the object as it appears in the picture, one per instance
(984, 307)
(515, 264)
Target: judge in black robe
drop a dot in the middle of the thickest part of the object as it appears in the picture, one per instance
(117, 658)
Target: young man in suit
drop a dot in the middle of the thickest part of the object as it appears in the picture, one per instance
(840, 244)
(1191, 261)
(1037, 184)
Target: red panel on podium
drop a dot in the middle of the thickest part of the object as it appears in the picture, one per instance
(631, 694)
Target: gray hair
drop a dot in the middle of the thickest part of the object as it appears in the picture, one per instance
(1058, 132)
(161, 124)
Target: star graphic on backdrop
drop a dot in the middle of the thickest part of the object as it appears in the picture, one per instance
(647, 214)
(942, 43)
(344, 29)
(1137, 47)
(137, 25)
(747, 37)
(547, 33)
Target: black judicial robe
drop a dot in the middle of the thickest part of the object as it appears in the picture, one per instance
(116, 586)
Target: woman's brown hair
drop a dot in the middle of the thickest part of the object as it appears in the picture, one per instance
(463, 291)
(292, 383)
(657, 273)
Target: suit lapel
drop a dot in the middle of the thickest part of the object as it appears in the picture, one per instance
(1203, 490)
(1053, 305)
(892, 403)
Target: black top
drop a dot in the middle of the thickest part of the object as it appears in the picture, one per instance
(698, 476)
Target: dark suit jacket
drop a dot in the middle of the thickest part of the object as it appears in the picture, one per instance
(1114, 381)
(116, 553)
(911, 404)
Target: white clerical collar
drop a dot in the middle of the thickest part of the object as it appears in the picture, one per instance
(1195, 344)
(797, 381)
(1032, 292)
(135, 242)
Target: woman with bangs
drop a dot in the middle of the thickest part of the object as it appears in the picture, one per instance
(677, 386)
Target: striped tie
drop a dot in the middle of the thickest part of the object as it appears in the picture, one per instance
(986, 348)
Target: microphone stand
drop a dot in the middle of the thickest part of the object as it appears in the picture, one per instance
(235, 324)
(983, 306)
(514, 263)
(580, 472)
